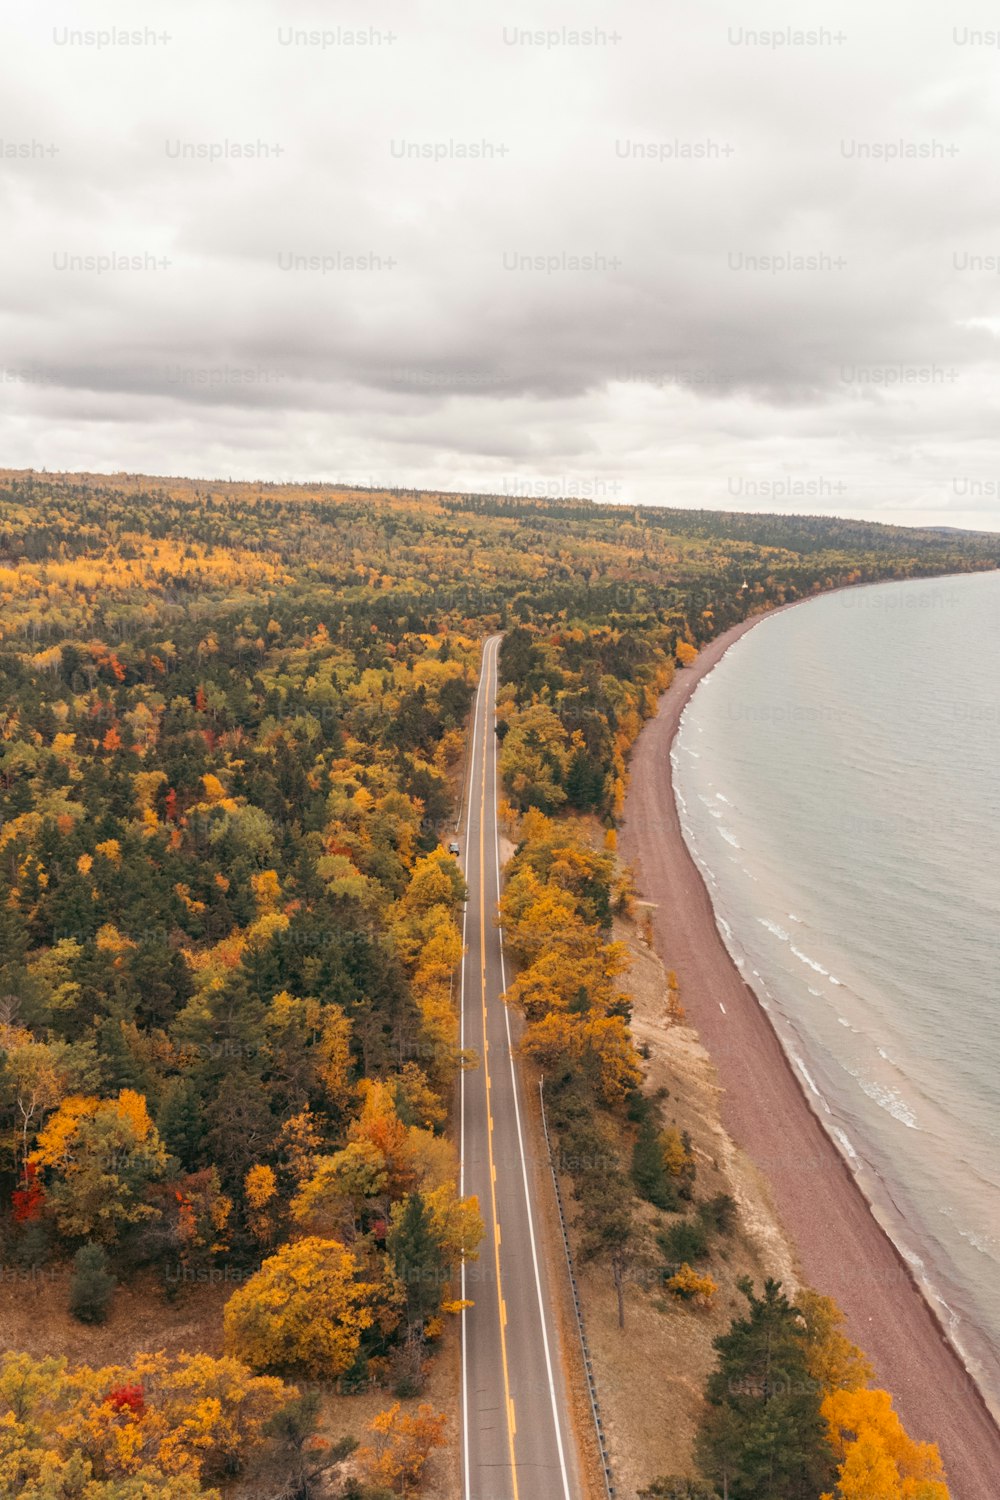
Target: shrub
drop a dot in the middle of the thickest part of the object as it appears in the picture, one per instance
(674, 1487)
(649, 1169)
(718, 1214)
(92, 1285)
(679, 1160)
(684, 1241)
(637, 1107)
(690, 1287)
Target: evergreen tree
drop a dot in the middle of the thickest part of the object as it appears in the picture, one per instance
(763, 1437)
(180, 1123)
(649, 1170)
(415, 1250)
(92, 1285)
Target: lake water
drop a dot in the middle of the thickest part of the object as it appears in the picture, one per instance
(838, 778)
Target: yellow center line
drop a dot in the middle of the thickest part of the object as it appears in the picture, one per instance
(501, 1305)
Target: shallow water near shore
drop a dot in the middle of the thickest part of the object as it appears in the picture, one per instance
(838, 781)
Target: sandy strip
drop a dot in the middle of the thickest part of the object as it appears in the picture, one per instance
(843, 1250)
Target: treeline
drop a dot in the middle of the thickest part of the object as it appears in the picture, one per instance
(556, 910)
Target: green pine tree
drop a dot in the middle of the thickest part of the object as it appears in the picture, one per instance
(92, 1285)
(649, 1171)
(762, 1437)
(417, 1257)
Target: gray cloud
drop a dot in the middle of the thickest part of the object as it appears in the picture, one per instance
(550, 250)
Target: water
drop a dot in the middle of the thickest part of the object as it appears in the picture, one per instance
(838, 777)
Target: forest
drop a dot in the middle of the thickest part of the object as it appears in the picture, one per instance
(232, 731)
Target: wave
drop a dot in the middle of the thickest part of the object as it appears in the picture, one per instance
(804, 957)
(805, 1073)
(779, 932)
(730, 838)
(889, 1099)
(844, 1140)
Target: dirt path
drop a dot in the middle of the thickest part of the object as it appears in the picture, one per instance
(842, 1248)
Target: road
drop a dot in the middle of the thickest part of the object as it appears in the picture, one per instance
(517, 1441)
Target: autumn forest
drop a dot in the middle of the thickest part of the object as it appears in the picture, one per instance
(233, 733)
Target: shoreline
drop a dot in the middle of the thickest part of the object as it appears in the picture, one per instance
(843, 1248)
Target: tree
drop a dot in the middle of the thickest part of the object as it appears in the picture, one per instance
(156, 1427)
(309, 1309)
(649, 1170)
(686, 1284)
(104, 1155)
(400, 1446)
(763, 1436)
(678, 1159)
(92, 1285)
(875, 1454)
(303, 1456)
(418, 1257)
(534, 759)
(607, 1227)
(430, 1235)
(834, 1362)
(36, 1078)
(260, 1189)
(342, 1189)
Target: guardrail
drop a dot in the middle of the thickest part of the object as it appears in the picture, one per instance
(595, 1405)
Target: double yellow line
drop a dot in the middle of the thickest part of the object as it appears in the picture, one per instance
(501, 1304)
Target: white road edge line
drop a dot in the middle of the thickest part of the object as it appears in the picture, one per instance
(520, 1142)
(461, 1087)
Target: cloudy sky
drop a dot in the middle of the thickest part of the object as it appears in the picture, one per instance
(731, 256)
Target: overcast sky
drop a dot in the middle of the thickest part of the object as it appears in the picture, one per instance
(739, 257)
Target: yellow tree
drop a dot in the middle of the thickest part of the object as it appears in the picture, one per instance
(158, 1426)
(535, 758)
(34, 1081)
(400, 1445)
(104, 1155)
(260, 1189)
(834, 1361)
(878, 1459)
(307, 1310)
(334, 1197)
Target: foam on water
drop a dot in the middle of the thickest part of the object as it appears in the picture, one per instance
(844, 1140)
(779, 932)
(886, 1098)
(804, 958)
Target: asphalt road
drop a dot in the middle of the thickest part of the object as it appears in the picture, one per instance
(517, 1441)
